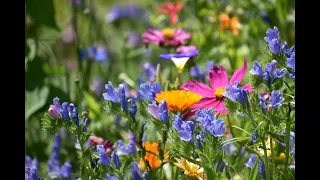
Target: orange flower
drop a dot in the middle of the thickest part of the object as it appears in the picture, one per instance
(171, 10)
(178, 100)
(235, 25)
(227, 23)
(152, 159)
(224, 21)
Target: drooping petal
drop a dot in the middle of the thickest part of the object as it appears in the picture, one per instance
(205, 103)
(218, 76)
(239, 74)
(198, 88)
(248, 87)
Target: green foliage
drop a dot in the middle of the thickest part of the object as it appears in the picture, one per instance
(50, 126)
(42, 12)
(254, 170)
(177, 147)
(35, 100)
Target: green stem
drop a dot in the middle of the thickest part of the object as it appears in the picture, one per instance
(266, 161)
(273, 159)
(288, 137)
(230, 126)
(85, 162)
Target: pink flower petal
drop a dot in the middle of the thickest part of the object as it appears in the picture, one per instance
(239, 74)
(198, 88)
(152, 36)
(218, 76)
(248, 87)
(189, 114)
(204, 103)
(220, 108)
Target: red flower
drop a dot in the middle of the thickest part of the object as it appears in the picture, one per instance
(171, 10)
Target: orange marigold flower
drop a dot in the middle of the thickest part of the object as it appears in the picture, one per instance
(227, 23)
(178, 100)
(152, 159)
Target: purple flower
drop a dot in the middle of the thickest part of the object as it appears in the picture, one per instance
(265, 17)
(97, 85)
(64, 112)
(129, 149)
(273, 39)
(150, 71)
(263, 104)
(159, 112)
(130, 11)
(200, 137)
(122, 97)
(135, 171)
(149, 90)
(271, 75)
(208, 120)
(133, 107)
(286, 50)
(74, 114)
(184, 128)
(236, 93)
(110, 177)
(133, 40)
(254, 136)
(65, 170)
(223, 165)
(31, 174)
(116, 120)
(53, 167)
(261, 167)
(104, 158)
(291, 64)
(292, 136)
(31, 163)
(85, 124)
(116, 159)
(101, 54)
(276, 99)
(197, 72)
(179, 60)
(110, 95)
(231, 148)
(146, 176)
(210, 64)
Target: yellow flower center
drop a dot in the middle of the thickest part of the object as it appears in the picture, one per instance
(167, 33)
(219, 92)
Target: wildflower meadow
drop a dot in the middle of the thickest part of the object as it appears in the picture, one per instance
(150, 90)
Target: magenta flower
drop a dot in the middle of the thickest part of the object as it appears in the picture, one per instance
(185, 49)
(213, 97)
(166, 37)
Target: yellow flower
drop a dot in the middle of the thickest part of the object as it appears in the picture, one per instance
(281, 157)
(152, 159)
(189, 168)
(178, 100)
(267, 141)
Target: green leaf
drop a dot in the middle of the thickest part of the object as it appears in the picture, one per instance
(42, 12)
(254, 170)
(210, 172)
(50, 126)
(93, 105)
(35, 100)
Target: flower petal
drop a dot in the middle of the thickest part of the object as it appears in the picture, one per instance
(220, 108)
(218, 76)
(204, 103)
(239, 74)
(198, 88)
(248, 87)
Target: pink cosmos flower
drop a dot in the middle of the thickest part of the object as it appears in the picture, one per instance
(213, 96)
(171, 10)
(184, 49)
(166, 37)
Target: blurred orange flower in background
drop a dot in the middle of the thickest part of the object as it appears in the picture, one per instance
(227, 23)
(152, 159)
(171, 10)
